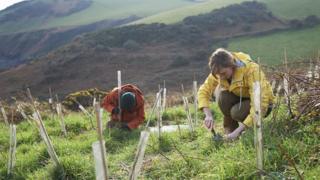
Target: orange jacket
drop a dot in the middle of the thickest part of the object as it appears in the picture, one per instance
(133, 118)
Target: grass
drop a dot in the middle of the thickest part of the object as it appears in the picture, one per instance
(165, 11)
(99, 10)
(115, 9)
(178, 155)
(293, 9)
(300, 45)
(177, 15)
(285, 9)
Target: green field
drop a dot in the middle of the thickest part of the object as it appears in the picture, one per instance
(178, 155)
(286, 9)
(164, 11)
(99, 10)
(176, 15)
(293, 9)
(300, 44)
(116, 9)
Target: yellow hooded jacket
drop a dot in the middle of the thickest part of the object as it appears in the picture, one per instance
(241, 85)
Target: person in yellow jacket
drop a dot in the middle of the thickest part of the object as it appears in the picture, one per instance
(231, 82)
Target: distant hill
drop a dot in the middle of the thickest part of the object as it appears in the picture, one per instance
(19, 48)
(44, 14)
(284, 9)
(34, 27)
(147, 54)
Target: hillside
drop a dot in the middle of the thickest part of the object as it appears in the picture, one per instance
(44, 14)
(284, 9)
(60, 21)
(300, 45)
(19, 48)
(174, 53)
(32, 28)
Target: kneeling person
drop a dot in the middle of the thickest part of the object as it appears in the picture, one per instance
(131, 112)
(231, 78)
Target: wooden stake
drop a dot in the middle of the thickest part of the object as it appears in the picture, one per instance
(87, 114)
(138, 159)
(60, 115)
(258, 125)
(164, 96)
(153, 108)
(159, 115)
(50, 99)
(257, 121)
(12, 149)
(195, 97)
(316, 72)
(99, 150)
(186, 106)
(4, 115)
(286, 84)
(278, 90)
(164, 99)
(273, 85)
(119, 94)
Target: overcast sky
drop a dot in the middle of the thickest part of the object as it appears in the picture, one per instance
(6, 3)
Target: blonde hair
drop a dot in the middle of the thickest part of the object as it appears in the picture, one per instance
(221, 58)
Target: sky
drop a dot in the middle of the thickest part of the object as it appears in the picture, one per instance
(6, 3)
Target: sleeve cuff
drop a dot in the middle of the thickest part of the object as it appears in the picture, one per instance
(248, 121)
(204, 104)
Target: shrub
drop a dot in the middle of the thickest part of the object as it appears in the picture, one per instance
(85, 98)
(179, 62)
(131, 45)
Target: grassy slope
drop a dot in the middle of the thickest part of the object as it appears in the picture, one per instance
(176, 15)
(287, 9)
(169, 11)
(301, 44)
(293, 9)
(115, 9)
(200, 158)
(99, 10)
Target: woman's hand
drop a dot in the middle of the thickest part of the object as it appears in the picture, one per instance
(236, 133)
(208, 120)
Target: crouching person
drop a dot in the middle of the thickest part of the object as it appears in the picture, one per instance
(130, 114)
(231, 81)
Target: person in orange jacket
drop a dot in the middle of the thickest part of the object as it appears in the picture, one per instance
(130, 114)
